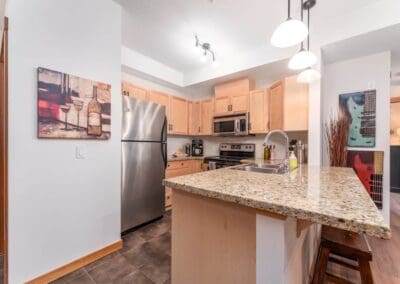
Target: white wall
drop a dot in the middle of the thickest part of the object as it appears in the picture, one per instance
(369, 72)
(60, 208)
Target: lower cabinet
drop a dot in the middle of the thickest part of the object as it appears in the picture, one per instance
(180, 168)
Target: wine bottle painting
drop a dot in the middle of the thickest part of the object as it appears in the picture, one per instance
(71, 107)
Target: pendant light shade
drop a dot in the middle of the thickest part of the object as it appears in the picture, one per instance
(289, 33)
(302, 59)
(308, 76)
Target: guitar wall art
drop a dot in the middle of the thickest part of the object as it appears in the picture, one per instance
(360, 109)
(369, 168)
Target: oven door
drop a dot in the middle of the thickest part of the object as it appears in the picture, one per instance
(224, 126)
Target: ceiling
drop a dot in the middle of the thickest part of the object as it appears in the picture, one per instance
(373, 42)
(164, 30)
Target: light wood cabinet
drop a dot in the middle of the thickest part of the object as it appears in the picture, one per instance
(180, 168)
(289, 105)
(259, 111)
(233, 97)
(134, 91)
(194, 118)
(276, 106)
(178, 116)
(207, 114)
(295, 105)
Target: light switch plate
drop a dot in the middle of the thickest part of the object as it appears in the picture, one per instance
(80, 152)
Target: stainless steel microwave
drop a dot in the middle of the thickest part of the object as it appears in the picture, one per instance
(231, 125)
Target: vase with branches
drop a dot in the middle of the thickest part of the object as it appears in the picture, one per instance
(336, 135)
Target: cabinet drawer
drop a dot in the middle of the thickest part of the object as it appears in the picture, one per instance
(178, 165)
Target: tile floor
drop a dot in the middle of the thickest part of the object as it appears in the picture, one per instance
(144, 259)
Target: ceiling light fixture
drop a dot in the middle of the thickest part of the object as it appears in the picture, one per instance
(289, 33)
(309, 75)
(304, 58)
(206, 50)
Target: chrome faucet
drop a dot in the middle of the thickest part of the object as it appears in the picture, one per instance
(278, 131)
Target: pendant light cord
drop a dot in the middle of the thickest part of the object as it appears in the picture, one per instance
(308, 27)
(288, 9)
(301, 7)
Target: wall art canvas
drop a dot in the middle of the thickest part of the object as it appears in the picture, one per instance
(360, 109)
(71, 107)
(369, 168)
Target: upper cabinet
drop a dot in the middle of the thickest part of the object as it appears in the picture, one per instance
(178, 116)
(232, 97)
(289, 105)
(295, 105)
(194, 118)
(259, 111)
(207, 113)
(134, 91)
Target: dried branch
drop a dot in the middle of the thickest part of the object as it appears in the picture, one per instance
(336, 134)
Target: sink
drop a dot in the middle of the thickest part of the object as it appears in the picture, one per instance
(263, 168)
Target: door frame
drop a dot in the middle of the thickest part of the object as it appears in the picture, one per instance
(4, 143)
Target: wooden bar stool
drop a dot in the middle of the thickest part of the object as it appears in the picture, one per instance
(343, 248)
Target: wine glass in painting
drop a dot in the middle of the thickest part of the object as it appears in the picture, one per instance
(65, 109)
(78, 105)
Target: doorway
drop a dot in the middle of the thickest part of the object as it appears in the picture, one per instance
(3, 154)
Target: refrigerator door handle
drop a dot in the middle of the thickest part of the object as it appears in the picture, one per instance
(164, 154)
(163, 130)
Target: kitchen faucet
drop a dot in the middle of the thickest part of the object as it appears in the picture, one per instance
(278, 131)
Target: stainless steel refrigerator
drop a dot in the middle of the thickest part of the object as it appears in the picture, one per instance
(144, 158)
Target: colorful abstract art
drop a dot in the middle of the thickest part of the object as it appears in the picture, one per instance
(360, 109)
(369, 168)
(71, 107)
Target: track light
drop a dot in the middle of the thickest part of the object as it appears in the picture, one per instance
(205, 50)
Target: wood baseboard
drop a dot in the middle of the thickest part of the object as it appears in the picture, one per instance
(76, 264)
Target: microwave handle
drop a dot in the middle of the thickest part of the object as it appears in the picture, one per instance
(237, 125)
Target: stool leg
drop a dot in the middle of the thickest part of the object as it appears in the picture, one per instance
(322, 263)
(365, 271)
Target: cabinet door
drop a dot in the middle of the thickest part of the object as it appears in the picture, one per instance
(161, 99)
(207, 113)
(178, 115)
(258, 111)
(194, 118)
(222, 106)
(137, 92)
(276, 106)
(240, 103)
(295, 109)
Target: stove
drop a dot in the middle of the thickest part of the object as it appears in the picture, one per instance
(230, 154)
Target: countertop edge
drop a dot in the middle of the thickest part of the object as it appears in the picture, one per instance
(368, 229)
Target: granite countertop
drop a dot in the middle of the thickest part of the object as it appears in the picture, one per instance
(327, 195)
(184, 158)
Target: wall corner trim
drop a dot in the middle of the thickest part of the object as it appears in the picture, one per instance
(76, 264)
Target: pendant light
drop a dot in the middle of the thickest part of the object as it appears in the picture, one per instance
(289, 33)
(309, 75)
(304, 58)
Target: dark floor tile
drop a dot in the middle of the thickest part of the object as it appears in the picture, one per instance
(102, 260)
(132, 241)
(139, 256)
(69, 277)
(136, 278)
(155, 229)
(159, 272)
(84, 279)
(161, 244)
(112, 271)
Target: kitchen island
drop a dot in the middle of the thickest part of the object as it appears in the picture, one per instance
(232, 226)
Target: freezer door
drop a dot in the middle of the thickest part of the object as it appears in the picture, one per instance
(143, 170)
(143, 120)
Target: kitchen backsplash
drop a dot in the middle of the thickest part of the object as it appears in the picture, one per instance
(211, 143)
